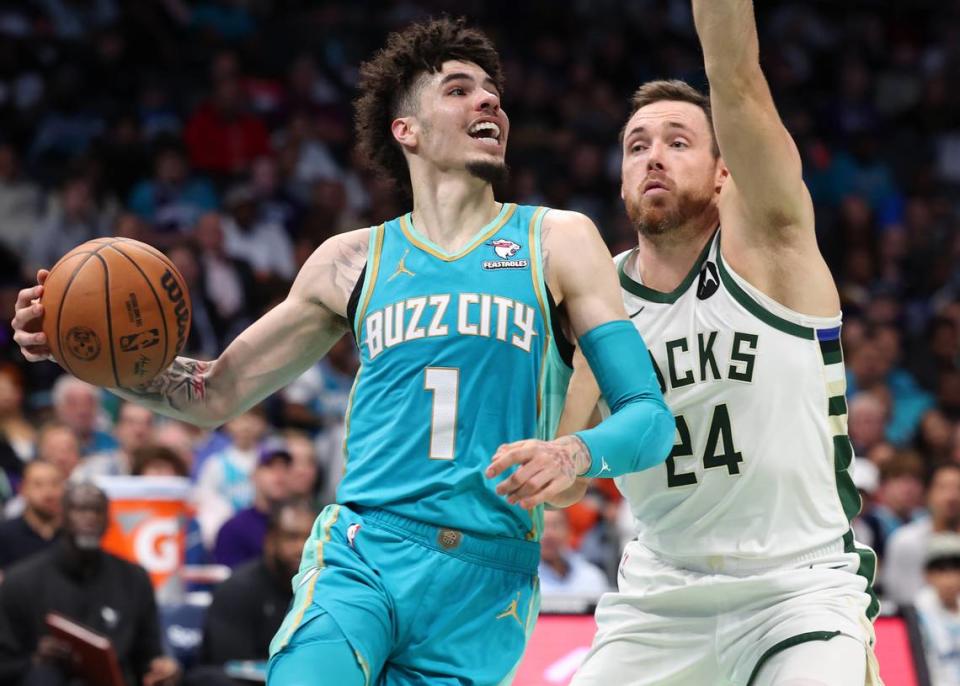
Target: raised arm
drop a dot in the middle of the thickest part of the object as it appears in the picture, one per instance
(765, 208)
(759, 152)
(268, 355)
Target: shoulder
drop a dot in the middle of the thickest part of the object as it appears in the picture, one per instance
(330, 274)
(130, 571)
(237, 588)
(27, 573)
(567, 222)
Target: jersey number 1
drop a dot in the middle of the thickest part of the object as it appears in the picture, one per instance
(445, 384)
(719, 451)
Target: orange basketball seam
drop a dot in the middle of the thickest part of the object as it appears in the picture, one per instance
(163, 318)
(63, 300)
(106, 287)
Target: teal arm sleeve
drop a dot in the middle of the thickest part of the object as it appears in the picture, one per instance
(640, 430)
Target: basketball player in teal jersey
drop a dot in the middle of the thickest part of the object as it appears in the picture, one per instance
(425, 572)
(744, 571)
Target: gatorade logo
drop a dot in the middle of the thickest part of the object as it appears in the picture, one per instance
(155, 545)
(175, 293)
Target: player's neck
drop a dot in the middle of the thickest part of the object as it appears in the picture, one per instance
(449, 210)
(663, 262)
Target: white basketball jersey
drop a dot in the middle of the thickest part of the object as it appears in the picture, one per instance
(760, 467)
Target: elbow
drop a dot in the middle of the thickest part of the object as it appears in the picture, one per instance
(658, 440)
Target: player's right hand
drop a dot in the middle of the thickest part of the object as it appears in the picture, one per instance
(28, 322)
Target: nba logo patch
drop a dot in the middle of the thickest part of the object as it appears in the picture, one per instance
(352, 531)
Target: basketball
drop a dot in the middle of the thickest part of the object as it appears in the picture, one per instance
(116, 312)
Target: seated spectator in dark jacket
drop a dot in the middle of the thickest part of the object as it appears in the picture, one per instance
(241, 537)
(248, 607)
(76, 578)
(35, 529)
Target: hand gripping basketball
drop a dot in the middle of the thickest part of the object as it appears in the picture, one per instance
(112, 311)
(28, 322)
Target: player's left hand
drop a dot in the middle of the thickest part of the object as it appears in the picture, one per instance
(164, 671)
(545, 469)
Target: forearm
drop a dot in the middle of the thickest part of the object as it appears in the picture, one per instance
(640, 430)
(189, 390)
(268, 355)
(728, 35)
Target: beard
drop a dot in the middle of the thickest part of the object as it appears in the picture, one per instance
(494, 173)
(657, 218)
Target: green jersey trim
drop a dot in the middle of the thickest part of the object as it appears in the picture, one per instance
(790, 643)
(758, 310)
(647, 293)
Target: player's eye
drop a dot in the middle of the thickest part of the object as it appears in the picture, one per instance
(680, 145)
(457, 91)
(638, 147)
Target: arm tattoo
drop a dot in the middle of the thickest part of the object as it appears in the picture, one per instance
(181, 386)
(574, 455)
(343, 271)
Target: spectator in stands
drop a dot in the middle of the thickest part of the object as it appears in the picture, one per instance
(227, 284)
(173, 200)
(156, 460)
(867, 421)
(17, 435)
(264, 245)
(68, 223)
(224, 483)
(303, 475)
(275, 205)
(317, 400)
(78, 579)
(563, 571)
(937, 607)
(903, 565)
(77, 404)
(866, 525)
(20, 201)
(132, 430)
(241, 537)
(247, 608)
(56, 444)
(178, 437)
(899, 499)
(223, 136)
(33, 531)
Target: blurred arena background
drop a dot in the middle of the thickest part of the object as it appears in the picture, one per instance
(221, 132)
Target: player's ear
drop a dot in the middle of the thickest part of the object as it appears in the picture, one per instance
(405, 131)
(722, 174)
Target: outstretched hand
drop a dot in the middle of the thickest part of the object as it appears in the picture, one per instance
(545, 469)
(28, 322)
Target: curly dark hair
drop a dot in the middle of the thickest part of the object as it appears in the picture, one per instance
(387, 83)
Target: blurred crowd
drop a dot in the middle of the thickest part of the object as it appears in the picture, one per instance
(221, 132)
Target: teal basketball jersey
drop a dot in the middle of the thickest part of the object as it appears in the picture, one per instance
(458, 356)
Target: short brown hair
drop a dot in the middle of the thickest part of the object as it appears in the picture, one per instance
(387, 83)
(147, 455)
(674, 89)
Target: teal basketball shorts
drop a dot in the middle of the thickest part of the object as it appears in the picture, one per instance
(416, 604)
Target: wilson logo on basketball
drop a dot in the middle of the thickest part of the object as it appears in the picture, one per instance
(175, 293)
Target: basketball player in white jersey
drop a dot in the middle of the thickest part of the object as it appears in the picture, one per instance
(744, 570)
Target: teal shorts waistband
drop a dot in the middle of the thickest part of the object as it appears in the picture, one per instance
(510, 554)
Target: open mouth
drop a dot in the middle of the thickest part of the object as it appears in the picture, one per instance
(485, 131)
